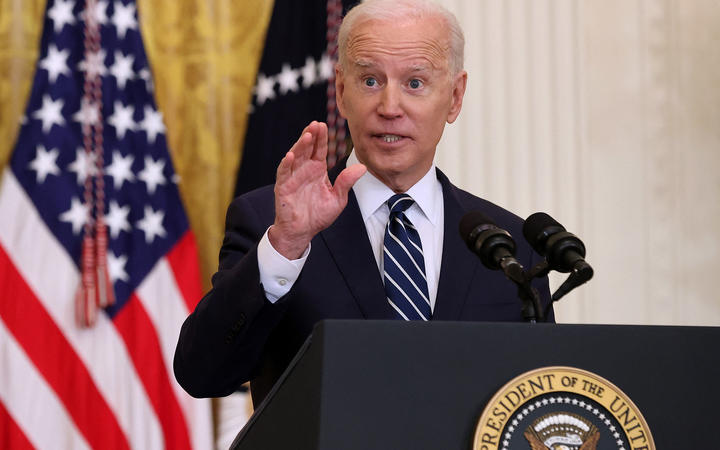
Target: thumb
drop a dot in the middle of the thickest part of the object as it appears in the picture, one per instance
(347, 179)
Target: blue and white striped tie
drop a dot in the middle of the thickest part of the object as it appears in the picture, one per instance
(404, 264)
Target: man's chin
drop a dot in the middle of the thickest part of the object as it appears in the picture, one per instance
(394, 162)
(396, 173)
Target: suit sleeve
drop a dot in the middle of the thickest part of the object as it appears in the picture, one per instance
(221, 342)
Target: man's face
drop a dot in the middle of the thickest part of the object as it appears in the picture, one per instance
(396, 92)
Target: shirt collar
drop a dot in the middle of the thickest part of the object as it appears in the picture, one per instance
(371, 193)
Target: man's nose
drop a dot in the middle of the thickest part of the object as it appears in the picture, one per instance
(390, 102)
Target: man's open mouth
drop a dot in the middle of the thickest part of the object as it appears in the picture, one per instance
(389, 138)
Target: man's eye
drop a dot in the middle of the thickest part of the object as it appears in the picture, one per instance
(415, 83)
(370, 82)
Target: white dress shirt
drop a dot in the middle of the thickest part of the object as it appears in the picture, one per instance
(278, 274)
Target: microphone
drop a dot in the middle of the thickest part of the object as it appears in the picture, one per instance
(496, 249)
(494, 246)
(563, 251)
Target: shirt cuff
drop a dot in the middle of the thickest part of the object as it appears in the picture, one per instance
(277, 273)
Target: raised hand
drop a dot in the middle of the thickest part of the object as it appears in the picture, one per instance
(305, 200)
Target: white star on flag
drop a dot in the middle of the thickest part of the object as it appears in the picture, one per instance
(120, 169)
(50, 113)
(152, 173)
(288, 79)
(152, 123)
(265, 89)
(76, 215)
(124, 19)
(122, 68)
(309, 72)
(116, 218)
(95, 64)
(122, 119)
(116, 267)
(87, 114)
(44, 163)
(151, 224)
(82, 166)
(144, 75)
(55, 62)
(61, 13)
(327, 68)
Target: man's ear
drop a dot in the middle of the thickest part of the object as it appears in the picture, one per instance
(458, 92)
(340, 89)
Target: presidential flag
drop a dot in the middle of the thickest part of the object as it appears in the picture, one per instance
(295, 85)
(98, 265)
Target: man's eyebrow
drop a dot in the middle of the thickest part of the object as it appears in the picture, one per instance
(419, 68)
(366, 64)
(363, 63)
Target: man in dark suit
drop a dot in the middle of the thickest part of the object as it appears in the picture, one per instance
(312, 247)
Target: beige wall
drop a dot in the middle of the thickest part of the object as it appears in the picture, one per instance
(605, 114)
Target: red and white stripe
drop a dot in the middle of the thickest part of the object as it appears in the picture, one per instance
(110, 386)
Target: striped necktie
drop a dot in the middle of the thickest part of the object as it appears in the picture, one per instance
(404, 264)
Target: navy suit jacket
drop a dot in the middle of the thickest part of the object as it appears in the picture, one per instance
(236, 335)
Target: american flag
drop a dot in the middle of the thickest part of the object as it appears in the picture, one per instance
(64, 384)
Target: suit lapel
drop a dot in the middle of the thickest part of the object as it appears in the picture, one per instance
(458, 265)
(350, 249)
(349, 246)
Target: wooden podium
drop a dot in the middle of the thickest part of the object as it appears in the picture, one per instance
(412, 385)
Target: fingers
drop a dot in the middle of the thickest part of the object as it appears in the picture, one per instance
(320, 144)
(284, 169)
(303, 147)
(347, 178)
(312, 144)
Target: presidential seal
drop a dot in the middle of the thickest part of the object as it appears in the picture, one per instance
(561, 408)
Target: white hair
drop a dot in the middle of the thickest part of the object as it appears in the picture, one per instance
(398, 10)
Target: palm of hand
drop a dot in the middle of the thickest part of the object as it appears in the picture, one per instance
(307, 203)
(305, 200)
